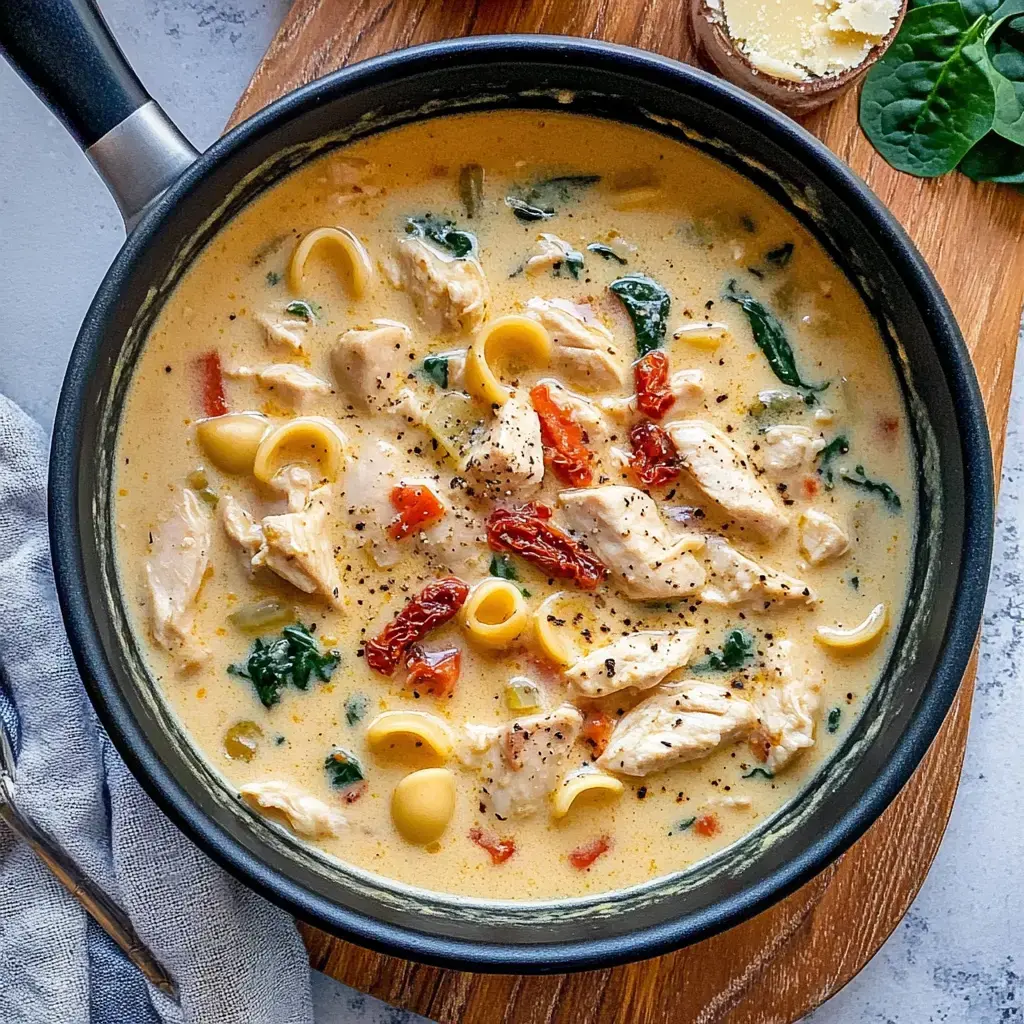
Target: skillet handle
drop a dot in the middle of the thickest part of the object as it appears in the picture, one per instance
(65, 51)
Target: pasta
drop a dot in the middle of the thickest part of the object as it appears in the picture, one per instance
(310, 441)
(343, 246)
(575, 784)
(495, 614)
(858, 637)
(422, 804)
(552, 644)
(502, 341)
(387, 731)
(231, 441)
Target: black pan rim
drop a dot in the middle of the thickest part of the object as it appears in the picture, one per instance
(965, 618)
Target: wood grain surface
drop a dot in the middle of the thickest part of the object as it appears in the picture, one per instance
(778, 966)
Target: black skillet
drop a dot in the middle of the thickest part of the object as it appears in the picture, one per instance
(175, 200)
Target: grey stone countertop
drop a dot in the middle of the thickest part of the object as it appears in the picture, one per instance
(958, 953)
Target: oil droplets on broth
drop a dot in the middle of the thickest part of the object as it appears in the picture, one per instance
(515, 506)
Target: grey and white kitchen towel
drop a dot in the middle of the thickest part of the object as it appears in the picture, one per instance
(235, 957)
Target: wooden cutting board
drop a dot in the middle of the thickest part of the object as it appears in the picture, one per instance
(780, 965)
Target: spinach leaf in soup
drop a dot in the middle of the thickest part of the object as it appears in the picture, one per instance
(356, 706)
(648, 305)
(435, 368)
(542, 199)
(343, 770)
(770, 337)
(839, 445)
(503, 568)
(307, 311)
(291, 660)
(928, 100)
(606, 252)
(737, 649)
(443, 234)
(858, 478)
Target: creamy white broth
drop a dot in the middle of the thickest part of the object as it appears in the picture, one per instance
(674, 215)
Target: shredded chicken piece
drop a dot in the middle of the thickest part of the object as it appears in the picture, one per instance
(178, 560)
(624, 529)
(297, 547)
(552, 251)
(641, 660)
(521, 762)
(736, 579)
(584, 351)
(789, 447)
(686, 385)
(785, 714)
(307, 816)
(450, 294)
(240, 526)
(821, 537)
(284, 332)
(680, 721)
(721, 470)
(370, 364)
(293, 383)
(510, 457)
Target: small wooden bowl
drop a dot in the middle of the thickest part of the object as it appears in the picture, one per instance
(717, 52)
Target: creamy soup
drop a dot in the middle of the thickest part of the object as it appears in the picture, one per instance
(515, 505)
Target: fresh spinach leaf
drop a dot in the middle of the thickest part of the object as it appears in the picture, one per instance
(303, 310)
(541, 199)
(995, 159)
(436, 368)
(859, 479)
(770, 338)
(343, 770)
(647, 304)
(502, 568)
(356, 707)
(762, 773)
(834, 717)
(928, 100)
(1005, 49)
(839, 445)
(606, 252)
(471, 189)
(442, 233)
(293, 660)
(737, 649)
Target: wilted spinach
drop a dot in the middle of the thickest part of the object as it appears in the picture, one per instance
(436, 368)
(343, 770)
(647, 304)
(303, 310)
(541, 200)
(503, 569)
(606, 252)
(860, 479)
(356, 707)
(839, 445)
(737, 649)
(834, 717)
(442, 233)
(763, 773)
(293, 659)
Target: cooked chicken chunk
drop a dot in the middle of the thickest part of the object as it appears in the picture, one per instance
(521, 762)
(584, 350)
(640, 660)
(370, 365)
(308, 816)
(787, 447)
(298, 548)
(240, 526)
(821, 537)
(552, 252)
(686, 385)
(624, 529)
(450, 294)
(679, 722)
(283, 331)
(178, 559)
(736, 579)
(293, 383)
(785, 714)
(721, 470)
(510, 457)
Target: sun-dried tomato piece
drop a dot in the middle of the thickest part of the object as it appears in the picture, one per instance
(583, 856)
(707, 825)
(562, 438)
(433, 672)
(433, 606)
(214, 401)
(417, 506)
(654, 397)
(499, 849)
(811, 486)
(597, 731)
(654, 461)
(526, 532)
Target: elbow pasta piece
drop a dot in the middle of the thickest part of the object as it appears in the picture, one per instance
(857, 638)
(587, 780)
(344, 246)
(422, 728)
(508, 338)
(232, 440)
(495, 613)
(422, 804)
(312, 441)
(552, 644)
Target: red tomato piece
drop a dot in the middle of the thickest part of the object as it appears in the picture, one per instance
(526, 532)
(433, 606)
(433, 672)
(654, 397)
(417, 506)
(811, 486)
(654, 461)
(597, 731)
(499, 849)
(583, 856)
(214, 401)
(562, 438)
(707, 825)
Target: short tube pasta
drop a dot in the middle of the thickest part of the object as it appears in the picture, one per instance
(495, 614)
(505, 339)
(344, 246)
(312, 441)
